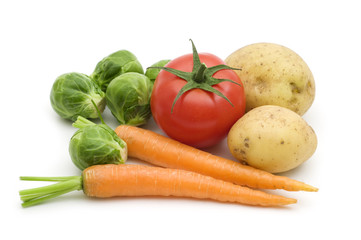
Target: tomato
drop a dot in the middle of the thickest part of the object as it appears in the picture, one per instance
(199, 117)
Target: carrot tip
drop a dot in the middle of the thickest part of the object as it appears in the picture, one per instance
(292, 201)
(310, 188)
(300, 186)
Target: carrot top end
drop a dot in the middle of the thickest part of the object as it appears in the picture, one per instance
(35, 196)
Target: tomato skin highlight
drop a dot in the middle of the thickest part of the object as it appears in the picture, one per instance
(199, 118)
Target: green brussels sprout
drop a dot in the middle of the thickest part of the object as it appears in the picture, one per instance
(114, 65)
(153, 71)
(72, 95)
(95, 144)
(128, 98)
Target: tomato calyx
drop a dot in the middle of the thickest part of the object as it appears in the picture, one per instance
(201, 77)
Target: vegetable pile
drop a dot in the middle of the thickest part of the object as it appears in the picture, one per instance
(197, 100)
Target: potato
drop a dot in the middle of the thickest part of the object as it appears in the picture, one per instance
(272, 138)
(274, 75)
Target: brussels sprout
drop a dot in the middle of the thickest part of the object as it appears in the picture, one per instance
(128, 98)
(153, 71)
(71, 96)
(96, 144)
(114, 65)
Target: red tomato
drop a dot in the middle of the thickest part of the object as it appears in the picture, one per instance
(199, 118)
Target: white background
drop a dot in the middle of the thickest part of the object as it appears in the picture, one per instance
(42, 39)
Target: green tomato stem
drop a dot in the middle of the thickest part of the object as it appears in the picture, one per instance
(34, 196)
(198, 76)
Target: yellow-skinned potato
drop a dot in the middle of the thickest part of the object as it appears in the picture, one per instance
(274, 75)
(272, 138)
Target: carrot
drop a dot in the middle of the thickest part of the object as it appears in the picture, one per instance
(162, 151)
(112, 180)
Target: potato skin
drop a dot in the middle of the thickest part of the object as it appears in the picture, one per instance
(274, 75)
(272, 138)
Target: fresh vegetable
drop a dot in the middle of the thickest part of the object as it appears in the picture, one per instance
(153, 71)
(72, 95)
(128, 98)
(196, 99)
(96, 144)
(166, 152)
(274, 75)
(110, 180)
(272, 138)
(114, 65)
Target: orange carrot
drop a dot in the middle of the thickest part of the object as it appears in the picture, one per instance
(112, 180)
(159, 150)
